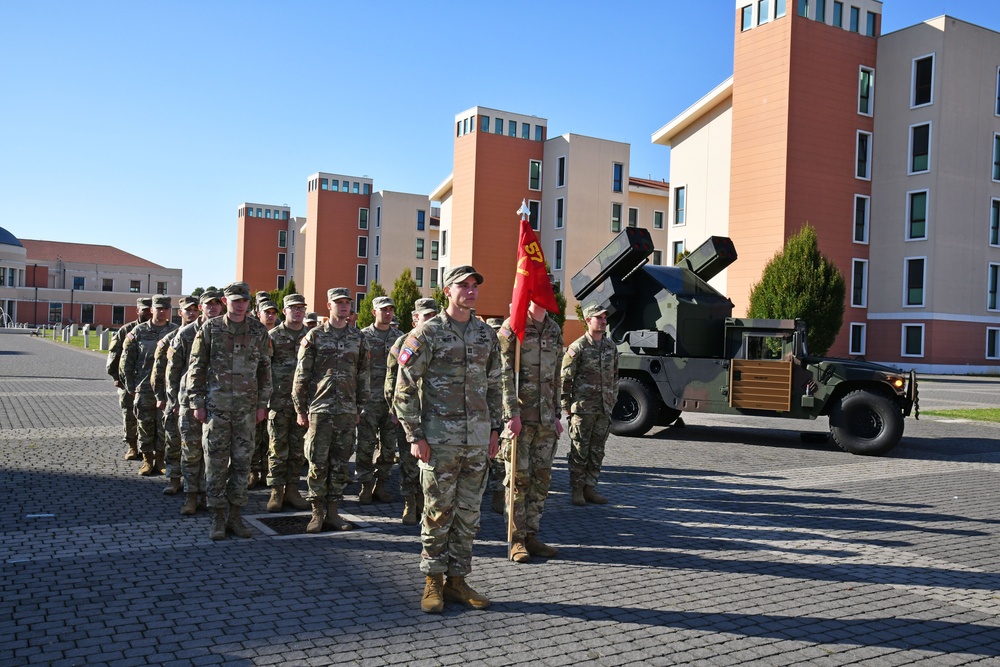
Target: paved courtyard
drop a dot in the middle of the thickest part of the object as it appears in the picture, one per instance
(727, 542)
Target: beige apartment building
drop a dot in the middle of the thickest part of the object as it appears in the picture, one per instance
(405, 234)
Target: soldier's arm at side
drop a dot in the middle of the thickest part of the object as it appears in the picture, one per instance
(407, 399)
(263, 376)
(508, 358)
(568, 374)
(198, 374)
(126, 367)
(302, 380)
(494, 397)
(364, 377)
(157, 378)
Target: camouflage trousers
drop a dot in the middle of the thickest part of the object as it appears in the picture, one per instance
(286, 454)
(532, 475)
(409, 471)
(172, 443)
(192, 452)
(329, 445)
(150, 422)
(453, 482)
(228, 442)
(130, 432)
(376, 451)
(261, 445)
(496, 474)
(587, 435)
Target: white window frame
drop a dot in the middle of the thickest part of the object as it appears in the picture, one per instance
(850, 338)
(902, 342)
(368, 218)
(280, 282)
(868, 157)
(913, 80)
(909, 150)
(864, 282)
(559, 220)
(663, 216)
(656, 259)
(868, 217)
(561, 171)
(357, 272)
(280, 233)
(536, 225)
(282, 259)
(871, 91)
(996, 158)
(628, 218)
(673, 206)
(363, 240)
(906, 281)
(927, 216)
(539, 163)
(994, 353)
(994, 206)
(557, 253)
(674, 251)
(418, 276)
(993, 274)
(611, 218)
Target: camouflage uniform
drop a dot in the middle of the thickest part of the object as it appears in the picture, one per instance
(449, 394)
(536, 401)
(409, 472)
(287, 438)
(589, 392)
(496, 472)
(136, 367)
(331, 385)
(130, 434)
(376, 432)
(192, 453)
(171, 428)
(230, 378)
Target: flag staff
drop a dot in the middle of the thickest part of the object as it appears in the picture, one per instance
(523, 211)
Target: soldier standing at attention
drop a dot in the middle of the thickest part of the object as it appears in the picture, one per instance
(330, 390)
(531, 412)
(267, 313)
(188, 310)
(312, 319)
(409, 474)
(143, 306)
(376, 432)
(496, 472)
(449, 400)
(229, 384)
(286, 454)
(178, 359)
(138, 354)
(589, 392)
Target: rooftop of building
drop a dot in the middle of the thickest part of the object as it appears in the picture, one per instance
(83, 253)
(6, 238)
(649, 183)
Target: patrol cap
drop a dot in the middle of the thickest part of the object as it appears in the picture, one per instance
(161, 301)
(266, 304)
(311, 317)
(294, 300)
(263, 296)
(593, 309)
(187, 302)
(144, 302)
(495, 322)
(383, 302)
(210, 295)
(426, 305)
(457, 274)
(338, 293)
(237, 290)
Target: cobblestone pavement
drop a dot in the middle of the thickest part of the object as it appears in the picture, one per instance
(727, 542)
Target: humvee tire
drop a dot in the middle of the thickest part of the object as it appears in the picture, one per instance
(636, 410)
(866, 423)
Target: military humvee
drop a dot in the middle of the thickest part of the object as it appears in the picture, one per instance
(682, 351)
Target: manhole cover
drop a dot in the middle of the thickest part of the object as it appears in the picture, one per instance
(294, 524)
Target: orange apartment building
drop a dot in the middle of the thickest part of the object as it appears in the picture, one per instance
(265, 246)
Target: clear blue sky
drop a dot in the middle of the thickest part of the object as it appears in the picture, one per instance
(145, 124)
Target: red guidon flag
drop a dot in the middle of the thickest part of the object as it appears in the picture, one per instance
(531, 281)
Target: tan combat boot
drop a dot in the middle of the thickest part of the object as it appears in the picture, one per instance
(277, 499)
(380, 493)
(319, 513)
(235, 523)
(190, 505)
(158, 466)
(433, 600)
(218, 530)
(293, 498)
(518, 552)
(148, 464)
(333, 521)
(173, 486)
(457, 590)
(132, 453)
(538, 548)
(591, 495)
(367, 489)
(410, 511)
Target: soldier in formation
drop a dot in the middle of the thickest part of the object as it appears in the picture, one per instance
(130, 434)
(267, 313)
(496, 473)
(311, 320)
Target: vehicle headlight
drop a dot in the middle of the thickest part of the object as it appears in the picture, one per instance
(897, 382)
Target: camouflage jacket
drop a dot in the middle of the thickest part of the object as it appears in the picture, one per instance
(158, 378)
(138, 353)
(115, 350)
(449, 386)
(332, 376)
(392, 373)
(284, 357)
(379, 345)
(178, 359)
(537, 396)
(230, 367)
(590, 376)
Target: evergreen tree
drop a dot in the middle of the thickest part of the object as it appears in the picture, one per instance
(278, 295)
(365, 315)
(404, 294)
(441, 298)
(800, 282)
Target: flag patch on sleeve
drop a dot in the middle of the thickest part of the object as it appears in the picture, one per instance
(505, 331)
(410, 348)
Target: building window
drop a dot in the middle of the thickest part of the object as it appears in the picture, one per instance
(378, 217)
(923, 81)
(511, 128)
(281, 282)
(418, 276)
(855, 19)
(117, 314)
(55, 313)
(859, 283)
(677, 251)
(558, 253)
(354, 188)
(498, 126)
(680, 205)
(282, 238)
(434, 278)
(657, 258)
(260, 213)
(995, 222)
(378, 247)
(857, 339)
(821, 11)
(108, 285)
(920, 148)
(996, 157)
(284, 215)
(444, 244)
(762, 12)
(992, 343)
(86, 313)
(616, 177)
(421, 220)
(420, 248)
(866, 86)
(362, 218)
(560, 171)
(345, 186)
(535, 214)
(267, 213)
(870, 25)
(746, 18)
(838, 13)
(362, 246)
(458, 128)
(913, 280)
(993, 279)
(560, 213)
(633, 217)
(281, 261)
(362, 274)
(779, 8)
(484, 123)
(916, 215)
(525, 131)
(161, 288)
(324, 184)
(864, 155)
(997, 112)
(534, 175)
(861, 214)
(616, 218)
(434, 250)
(913, 340)
(538, 133)
(77, 282)
(134, 286)
(804, 8)
(657, 219)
